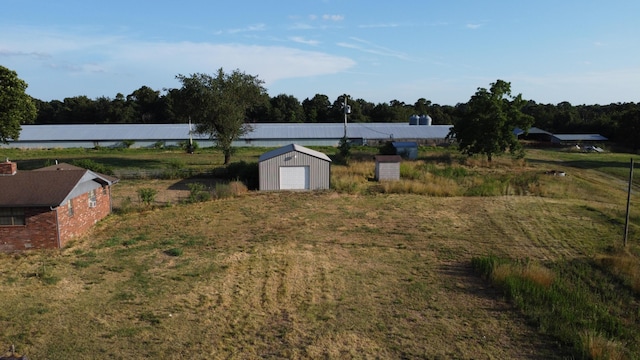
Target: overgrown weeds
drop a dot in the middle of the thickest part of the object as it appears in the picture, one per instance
(571, 301)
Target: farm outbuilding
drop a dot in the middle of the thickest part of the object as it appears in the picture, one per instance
(294, 167)
(388, 167)
(261, 134)
(406, 149)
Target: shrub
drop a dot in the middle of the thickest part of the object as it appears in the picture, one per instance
(127, 143)
(344, 151)
(147, 195)
(184, 145)
(158, 144)
(198, 192)
(245, 172)
(93, 166)
(387, 149)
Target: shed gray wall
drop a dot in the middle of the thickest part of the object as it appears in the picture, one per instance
(388, 170)
(269, 170)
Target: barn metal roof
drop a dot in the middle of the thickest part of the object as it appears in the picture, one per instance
(105, 132)
(139, 132)
(580, 137)
(292, 147)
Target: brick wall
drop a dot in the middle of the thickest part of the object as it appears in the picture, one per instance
(8, 168)
(41, 230)
(84, 216)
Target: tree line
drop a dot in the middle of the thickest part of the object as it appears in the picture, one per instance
(148, 106)
(620, 122)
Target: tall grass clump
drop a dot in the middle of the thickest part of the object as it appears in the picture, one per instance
(429, 186)
(174, 169)
(247, 172)
(625, 267)
(234, 188)
(349, 184)
(598, 347)
(487, 186)
(410, 171)
(449, 171)
(567, 301)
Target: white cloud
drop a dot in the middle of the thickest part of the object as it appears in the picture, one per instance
(97, 61)
(371, 48)
(301, 40)
(474, 26)
(331, 17)
(374, 26)
(250, 28)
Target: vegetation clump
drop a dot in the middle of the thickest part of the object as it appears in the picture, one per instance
(570, 301)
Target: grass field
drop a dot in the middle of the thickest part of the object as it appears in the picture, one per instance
(361, 271)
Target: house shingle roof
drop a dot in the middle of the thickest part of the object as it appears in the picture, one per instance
(48, 186)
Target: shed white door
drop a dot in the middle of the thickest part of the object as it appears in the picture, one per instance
(294, 177)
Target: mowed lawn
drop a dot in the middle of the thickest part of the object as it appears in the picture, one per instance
(301, 275)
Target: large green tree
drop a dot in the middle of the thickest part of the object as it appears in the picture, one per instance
(219, 104)
(488, 122)
(16, 107)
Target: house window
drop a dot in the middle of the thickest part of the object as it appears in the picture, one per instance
(70, 207)
(12, 216)
(93, 201)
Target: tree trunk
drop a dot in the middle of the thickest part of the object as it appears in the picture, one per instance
(227, 157)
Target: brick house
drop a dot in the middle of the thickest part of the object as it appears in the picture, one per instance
(47, 207)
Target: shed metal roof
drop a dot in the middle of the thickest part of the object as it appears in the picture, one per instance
(292, 147)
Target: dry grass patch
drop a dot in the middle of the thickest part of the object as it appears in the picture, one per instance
(598, 347)
(535, 273)
(625, 266)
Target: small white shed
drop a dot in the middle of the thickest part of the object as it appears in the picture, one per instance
(388, 167)
(294, 167)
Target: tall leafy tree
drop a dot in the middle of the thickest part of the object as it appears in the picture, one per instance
(16, 107)
(219, 104)
(286, 109)
(487, 123)
(316, 109)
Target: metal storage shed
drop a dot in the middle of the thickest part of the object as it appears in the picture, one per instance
(406, 149)
(294, 167)
(388, 167)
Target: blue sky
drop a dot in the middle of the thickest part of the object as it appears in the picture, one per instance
(584, 52)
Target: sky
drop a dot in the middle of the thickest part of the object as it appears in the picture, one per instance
(580, 51)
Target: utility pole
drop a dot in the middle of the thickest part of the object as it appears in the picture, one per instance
(346, 109)
(626, 222)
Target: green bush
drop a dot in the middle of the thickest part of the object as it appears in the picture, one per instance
(198, 192)
(147, 195)
(247, 172)
(93, 166)
(387, 149)
(127, 143)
